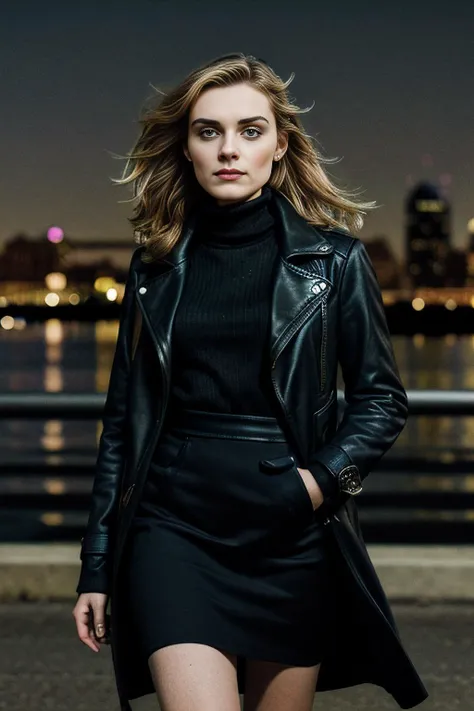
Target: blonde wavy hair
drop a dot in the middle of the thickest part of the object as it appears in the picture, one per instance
(165, 188)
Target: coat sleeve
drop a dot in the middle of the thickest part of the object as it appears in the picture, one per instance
(376, 402)
(99, 534)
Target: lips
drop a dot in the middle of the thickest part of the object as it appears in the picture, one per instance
(229, 172)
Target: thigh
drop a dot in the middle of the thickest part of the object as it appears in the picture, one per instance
(270, 686)
(195, 677)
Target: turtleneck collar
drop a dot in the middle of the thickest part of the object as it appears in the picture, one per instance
(236, 224)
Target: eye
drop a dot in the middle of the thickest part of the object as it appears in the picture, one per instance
(259, 133)
(205, 132)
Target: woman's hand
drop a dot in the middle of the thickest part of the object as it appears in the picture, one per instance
(312, 485)
(89, 613)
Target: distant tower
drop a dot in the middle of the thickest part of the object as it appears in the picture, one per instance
(427, 235)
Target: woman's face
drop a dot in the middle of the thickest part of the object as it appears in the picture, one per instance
(233, 128)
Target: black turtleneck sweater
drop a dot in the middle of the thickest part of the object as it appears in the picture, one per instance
(220, 359)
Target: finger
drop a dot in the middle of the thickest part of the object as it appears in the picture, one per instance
(105, 639)
(98, 622)
(91, 633)
(82, 625)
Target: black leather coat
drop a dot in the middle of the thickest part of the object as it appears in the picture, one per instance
(326, 309)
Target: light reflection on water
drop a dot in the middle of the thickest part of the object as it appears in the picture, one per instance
(54, 357)
(76, 357)
(445, 363)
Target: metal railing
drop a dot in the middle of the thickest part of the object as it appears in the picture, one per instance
(51, 501)
(90, 405)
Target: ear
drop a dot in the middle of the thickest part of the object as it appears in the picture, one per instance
(186, 152)
(282, 144)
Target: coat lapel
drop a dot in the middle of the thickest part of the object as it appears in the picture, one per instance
(158, 292)
(299, 286)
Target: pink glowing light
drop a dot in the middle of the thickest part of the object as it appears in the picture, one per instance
(55, 234)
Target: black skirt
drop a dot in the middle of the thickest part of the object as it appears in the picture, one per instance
(227, 551)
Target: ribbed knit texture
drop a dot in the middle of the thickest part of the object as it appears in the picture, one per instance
(220, 359)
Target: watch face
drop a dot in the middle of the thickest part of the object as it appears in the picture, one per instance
(349, 480)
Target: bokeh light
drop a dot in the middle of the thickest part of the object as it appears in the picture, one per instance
(55, 281)
(55, 234)
(7, 322)
(102, 284)
(52, 299)
(418, 304)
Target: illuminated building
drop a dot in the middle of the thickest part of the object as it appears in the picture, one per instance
(54, 270)
(427, 235)
(384, 262)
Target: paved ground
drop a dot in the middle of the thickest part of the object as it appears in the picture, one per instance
(44, 668)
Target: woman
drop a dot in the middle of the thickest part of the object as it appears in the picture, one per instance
(222, 525)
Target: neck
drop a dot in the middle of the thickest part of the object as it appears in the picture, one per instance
(235, 224)
(222, 203)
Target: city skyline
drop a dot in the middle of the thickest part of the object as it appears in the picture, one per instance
(390, 86)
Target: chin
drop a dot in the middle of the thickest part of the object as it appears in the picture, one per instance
(232, 192)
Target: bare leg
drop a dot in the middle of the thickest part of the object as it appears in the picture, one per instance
(194, 677)
(275, 687)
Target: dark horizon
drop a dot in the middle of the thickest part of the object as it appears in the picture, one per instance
(391, 86)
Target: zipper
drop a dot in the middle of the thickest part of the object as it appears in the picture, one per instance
(296, 326)
(165, 382)
(137, 325)
(324, 339)
(327, 405)
(301, 319)
(127, 496)
(304, 315)
(282, 405)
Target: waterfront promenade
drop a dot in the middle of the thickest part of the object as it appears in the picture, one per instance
(44, 667)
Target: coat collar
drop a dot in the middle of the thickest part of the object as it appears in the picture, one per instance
(297, 237)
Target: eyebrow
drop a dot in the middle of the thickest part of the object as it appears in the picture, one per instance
(213, 122)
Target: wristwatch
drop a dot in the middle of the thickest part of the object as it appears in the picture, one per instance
(349, 480)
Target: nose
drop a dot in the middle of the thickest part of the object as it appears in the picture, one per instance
(228, 149)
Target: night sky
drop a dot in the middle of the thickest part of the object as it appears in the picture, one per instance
(393, 86)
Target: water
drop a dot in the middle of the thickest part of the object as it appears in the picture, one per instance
(442, 364)
(77, 357)
(47, 465)
(54, 357)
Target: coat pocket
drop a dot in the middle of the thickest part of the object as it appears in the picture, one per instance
(292, 489)
(170, 451)
(304, 504)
